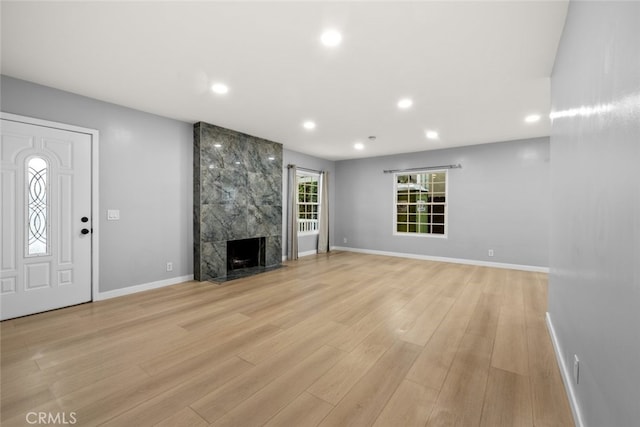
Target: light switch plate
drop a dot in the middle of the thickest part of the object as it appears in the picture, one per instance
(113, 215)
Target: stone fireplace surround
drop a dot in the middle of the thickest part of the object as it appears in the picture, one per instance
(237, 181)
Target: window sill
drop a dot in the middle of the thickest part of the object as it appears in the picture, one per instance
(435, 236)
(308, 233)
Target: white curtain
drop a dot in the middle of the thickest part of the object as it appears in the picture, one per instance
(292, 214)
(323, 228)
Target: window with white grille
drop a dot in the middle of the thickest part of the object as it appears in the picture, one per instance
(420, 203)
(308, 206)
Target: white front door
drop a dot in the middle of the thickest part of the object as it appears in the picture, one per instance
(46, 218)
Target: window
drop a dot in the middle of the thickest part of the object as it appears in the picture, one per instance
(37, 206)
(420, 205)
(308, 208)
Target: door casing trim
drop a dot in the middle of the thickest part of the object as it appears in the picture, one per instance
(95, 196)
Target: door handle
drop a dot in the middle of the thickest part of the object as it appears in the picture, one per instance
(84, 231)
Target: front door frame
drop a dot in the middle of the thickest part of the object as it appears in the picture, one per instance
(95, 212)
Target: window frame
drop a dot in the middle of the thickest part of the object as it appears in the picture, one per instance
(445, 204)
(317, 176)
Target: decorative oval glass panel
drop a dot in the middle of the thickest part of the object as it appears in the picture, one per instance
(37, 207)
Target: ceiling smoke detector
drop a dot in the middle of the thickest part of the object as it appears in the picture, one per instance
(372, 138)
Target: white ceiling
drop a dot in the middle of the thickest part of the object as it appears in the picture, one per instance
(473, 69)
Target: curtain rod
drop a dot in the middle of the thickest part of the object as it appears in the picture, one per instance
(424, 168)
(303, 169)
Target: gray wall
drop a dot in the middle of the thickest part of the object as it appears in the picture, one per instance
(499, 200)
(145, 172)
(594, 282)
(308, 243)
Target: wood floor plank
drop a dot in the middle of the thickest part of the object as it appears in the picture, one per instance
(367, 298)
(233, 337)
(281, 340)
(510, 351)
(211, 322)
(217, 403)
(129, 395)
(409, 406)
(550, 404)
(305, 411)
(67, 383)
(355, 334)
(535, 300)
(12, 338)
(427, 323)
(264, 349)
(124, 352)
(433, 363)
(101, 390)
(514, 290)
(485, 316)
(19, 401)
(165, 405)
(364, 402)
(336, 383)
(18, 369)
(311, 305)
(462, 395)
(186, 417)
(263, 405)
(65, 351)
(508, 400)
(20, 419)
(319, 307)
(452, 279)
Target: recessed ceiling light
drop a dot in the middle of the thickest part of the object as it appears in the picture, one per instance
(532, 118)
(405, 103)
(220, 88)
(358, 146)
(331, 38)
(431, 134)
(309, 125)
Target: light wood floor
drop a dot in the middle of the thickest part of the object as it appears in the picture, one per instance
(339, 340)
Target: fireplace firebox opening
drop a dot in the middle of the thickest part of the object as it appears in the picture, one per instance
(245, 253)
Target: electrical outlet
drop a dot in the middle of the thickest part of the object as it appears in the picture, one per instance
(113, 215)
(169, 266)
(490, 252)
(576, 369)
(344, 240)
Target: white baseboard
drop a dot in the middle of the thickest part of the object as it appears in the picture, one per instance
(446, 259)
(302, 254)
(140, 288)
(307, 253)
(566, 374)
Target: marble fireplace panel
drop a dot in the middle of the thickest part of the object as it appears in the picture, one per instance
(273, 254)
(237, 195)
